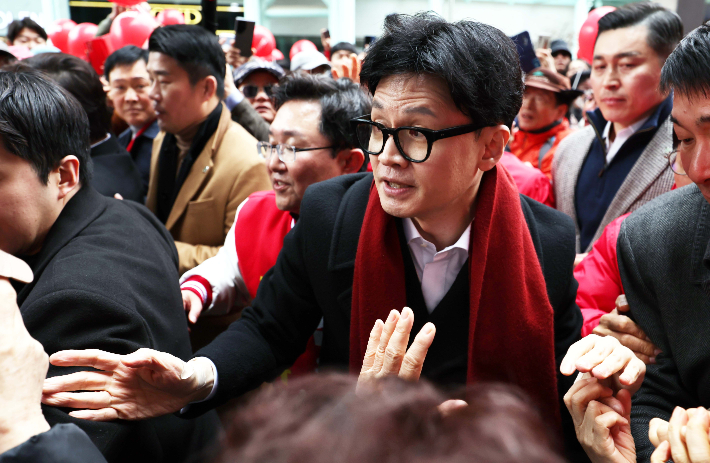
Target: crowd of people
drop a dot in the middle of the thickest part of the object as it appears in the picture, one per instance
(196, 248)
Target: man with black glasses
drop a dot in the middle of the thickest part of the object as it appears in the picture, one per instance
(444, 231)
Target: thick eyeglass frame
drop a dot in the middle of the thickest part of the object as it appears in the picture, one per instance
(280, 147)
(430, 134)
(672, 157)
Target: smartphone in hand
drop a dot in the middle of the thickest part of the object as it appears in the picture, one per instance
(244, 36)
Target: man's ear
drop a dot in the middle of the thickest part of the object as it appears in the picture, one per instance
(209, 87)
(67, 174)
(495, 140)
(561, 111)
(350, 160)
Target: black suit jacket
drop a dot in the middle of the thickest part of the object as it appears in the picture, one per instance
(115, 172)
(64, 443)
(106, 278)
(664, 260)
(313, 279)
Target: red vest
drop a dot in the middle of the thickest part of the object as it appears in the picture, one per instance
(259, 236)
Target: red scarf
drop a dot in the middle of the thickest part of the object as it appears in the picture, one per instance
(511, 331)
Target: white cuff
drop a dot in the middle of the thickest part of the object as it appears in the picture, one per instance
(212, 392)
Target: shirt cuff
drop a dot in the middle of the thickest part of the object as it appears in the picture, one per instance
(212, 392)
(201, 287)
(233, 99)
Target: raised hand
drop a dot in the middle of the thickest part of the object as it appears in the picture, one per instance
(629, 334)
(602, 421)
(687, 438)
(387, 353)
(141, 385)
(606, 359)
(192, 305)
(351, 71)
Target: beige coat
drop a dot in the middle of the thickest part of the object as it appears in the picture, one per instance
(227, 171)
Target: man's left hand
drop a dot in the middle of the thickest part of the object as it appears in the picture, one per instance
(387, 353)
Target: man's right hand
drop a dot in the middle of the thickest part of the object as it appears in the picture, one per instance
(627, 332)
(141, 385)
(192, 304)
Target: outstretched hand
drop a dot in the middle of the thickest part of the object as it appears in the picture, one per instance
(387, 353)
(604, 358)
(685, 437)
(141, 385)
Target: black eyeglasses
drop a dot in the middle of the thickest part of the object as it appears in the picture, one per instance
(413, 143)
(251, 91)
(286, 153)
(673, 161)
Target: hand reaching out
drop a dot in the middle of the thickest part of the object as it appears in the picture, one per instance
(387, 353)
(602, 421)
(606, 359)
(686, 436)
(192, 305)
(141, 385)
(628, 333)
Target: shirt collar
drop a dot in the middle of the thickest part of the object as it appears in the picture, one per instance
(623, 133)
(412, 234)
(108, 135)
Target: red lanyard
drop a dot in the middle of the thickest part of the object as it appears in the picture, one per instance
(140, 132)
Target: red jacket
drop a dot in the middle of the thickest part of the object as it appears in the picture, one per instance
(599, 279)
(530, 181)
(526, 145)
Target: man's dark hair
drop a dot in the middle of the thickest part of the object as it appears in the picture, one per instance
(42, 123)
(195, 49)
(665, 28)
(479, 63)
(687, 70)
(340, 101)
(125, 56)
(79, 78)
(13, 30)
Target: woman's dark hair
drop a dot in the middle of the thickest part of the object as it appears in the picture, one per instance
(479, 63)
(340, 100)
(687, 69)
(41, 122)
(321, 419)
(78, 78)
(195, 49)
(124, 56)
(13, 30)
(665, 28)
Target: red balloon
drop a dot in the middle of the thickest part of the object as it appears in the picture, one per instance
(78, 37)
(170, 16)
(276, 55)
(301, 45)
(588, 32)
(131, 28)
(264, 42)
(127, 2)
(59, 33)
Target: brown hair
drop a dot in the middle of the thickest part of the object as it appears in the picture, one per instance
(320, 419)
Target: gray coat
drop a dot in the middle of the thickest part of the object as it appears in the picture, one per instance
(651, 176)
(664, 261)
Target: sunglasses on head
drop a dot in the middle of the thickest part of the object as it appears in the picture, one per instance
(250, 91)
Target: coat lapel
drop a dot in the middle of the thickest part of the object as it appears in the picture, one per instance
(200, 171)
(569, 179)
(348, 223)
(649, 166)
